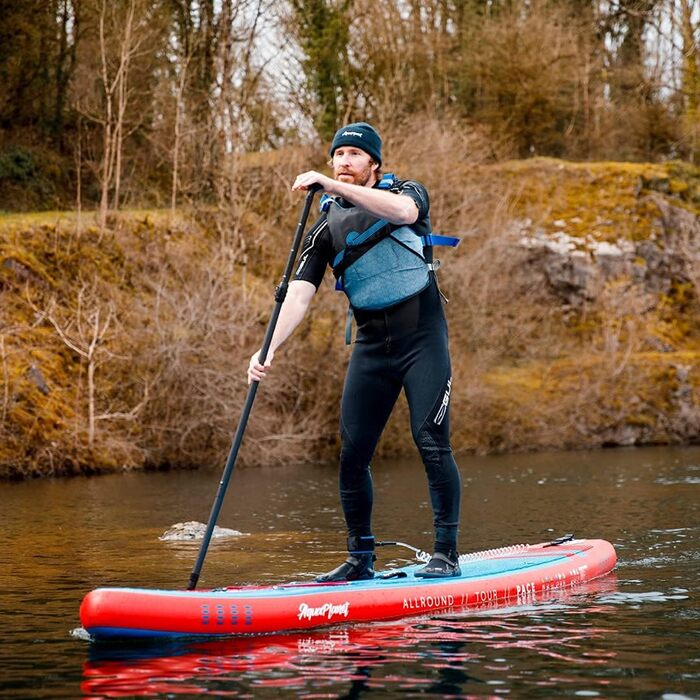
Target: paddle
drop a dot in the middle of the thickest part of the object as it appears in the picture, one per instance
(280, 294)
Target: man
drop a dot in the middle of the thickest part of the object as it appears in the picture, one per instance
(370, 233)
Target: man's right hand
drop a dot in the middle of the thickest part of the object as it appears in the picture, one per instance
(256, 371)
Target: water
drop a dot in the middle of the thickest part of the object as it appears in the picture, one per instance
(635, 633)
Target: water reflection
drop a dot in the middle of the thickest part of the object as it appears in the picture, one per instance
(449, 655)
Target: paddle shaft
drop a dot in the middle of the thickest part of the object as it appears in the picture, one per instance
(280, 294)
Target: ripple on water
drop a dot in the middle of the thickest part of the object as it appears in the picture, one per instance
(689, 480)
(647, 562)
(637, 599)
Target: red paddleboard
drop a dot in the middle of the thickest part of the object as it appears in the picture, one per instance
(503, 576)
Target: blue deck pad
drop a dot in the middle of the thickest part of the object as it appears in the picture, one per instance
(471, 570)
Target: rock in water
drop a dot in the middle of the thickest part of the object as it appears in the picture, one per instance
(193, 530)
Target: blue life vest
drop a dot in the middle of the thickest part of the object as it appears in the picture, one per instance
(389, 272)
(382, 264)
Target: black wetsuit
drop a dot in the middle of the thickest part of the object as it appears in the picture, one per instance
(402, 347)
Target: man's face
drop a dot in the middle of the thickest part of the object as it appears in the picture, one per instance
(353, 165)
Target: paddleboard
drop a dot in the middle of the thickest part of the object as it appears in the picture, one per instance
(517, 574)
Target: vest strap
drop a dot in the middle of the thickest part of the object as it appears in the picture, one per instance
(387, 182)
(355, 239)
(437, 239)
(348, 327)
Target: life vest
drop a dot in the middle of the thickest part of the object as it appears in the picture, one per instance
(382, 264)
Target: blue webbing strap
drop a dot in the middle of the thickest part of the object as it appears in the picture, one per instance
(437, 239)
(387, 181)
(354, 239)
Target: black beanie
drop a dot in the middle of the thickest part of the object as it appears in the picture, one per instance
(363, 136)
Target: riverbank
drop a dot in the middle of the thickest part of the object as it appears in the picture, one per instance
(573, 320)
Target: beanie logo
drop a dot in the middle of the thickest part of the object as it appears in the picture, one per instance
(352, 133)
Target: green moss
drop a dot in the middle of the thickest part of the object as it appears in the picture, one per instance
(580, 398)
(596, 201)
(685, 182)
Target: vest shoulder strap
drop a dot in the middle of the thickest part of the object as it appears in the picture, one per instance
(374, 233)
(387, 182)
(325, 202)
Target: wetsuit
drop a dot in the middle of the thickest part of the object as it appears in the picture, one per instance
(401, 347)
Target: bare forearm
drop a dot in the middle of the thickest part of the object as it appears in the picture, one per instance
(395, 208)
(294, 308)
(299, 296)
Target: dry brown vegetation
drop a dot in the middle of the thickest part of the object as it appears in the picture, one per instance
(574, 295)
(126, 348)
(141, 103)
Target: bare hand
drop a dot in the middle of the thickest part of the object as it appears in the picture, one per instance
(256, 371)
(312, 177)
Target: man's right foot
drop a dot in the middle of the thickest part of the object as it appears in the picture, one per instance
(354, 568)
(359, 564)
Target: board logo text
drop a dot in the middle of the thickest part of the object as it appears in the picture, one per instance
(327, 610)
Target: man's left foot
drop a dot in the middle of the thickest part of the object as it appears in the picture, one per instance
(441, 566)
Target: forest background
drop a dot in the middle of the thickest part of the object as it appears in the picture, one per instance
(147, 149)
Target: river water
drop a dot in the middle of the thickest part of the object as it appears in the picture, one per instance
(632, 634)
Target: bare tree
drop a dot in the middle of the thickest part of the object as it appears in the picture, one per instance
(689, 23)
(122, 32)
(86, 331)
(180, 84)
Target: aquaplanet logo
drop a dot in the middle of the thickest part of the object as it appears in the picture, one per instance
(327, 610)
